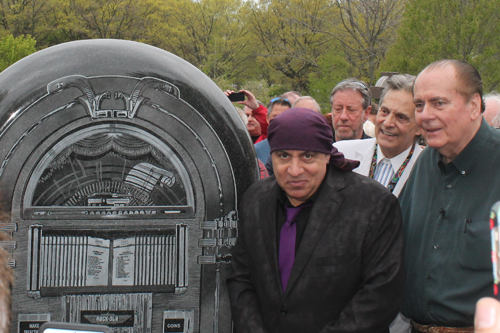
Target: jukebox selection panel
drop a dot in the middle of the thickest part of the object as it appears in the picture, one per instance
(86, 261)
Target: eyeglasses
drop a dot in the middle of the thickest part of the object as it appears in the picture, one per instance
(275, 99)
(280, 101)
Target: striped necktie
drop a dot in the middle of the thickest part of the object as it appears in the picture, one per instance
(384, 172)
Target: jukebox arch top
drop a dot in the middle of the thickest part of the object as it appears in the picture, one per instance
(109, 166)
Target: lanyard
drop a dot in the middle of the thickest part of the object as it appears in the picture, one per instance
(398, 174)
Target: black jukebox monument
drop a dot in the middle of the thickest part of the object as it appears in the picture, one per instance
(121, 166)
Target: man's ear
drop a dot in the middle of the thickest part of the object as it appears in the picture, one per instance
(475, 103)
(367, 112)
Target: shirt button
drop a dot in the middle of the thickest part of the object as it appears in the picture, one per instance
(449, 186)
(284, 311)
(463, 172)
(426, 308)
(428, 276)
(436, 247)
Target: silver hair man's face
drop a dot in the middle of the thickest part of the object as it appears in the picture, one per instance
(348, 114)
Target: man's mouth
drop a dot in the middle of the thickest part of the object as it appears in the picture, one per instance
(297, 183)
(388, 133)
(431, 130)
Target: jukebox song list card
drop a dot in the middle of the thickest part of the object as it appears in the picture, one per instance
(123, 261)
(97, 262)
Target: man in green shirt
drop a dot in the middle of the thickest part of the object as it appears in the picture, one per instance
(447, 200)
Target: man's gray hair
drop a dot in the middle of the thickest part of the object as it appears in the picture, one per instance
(399, 82)
(356, 85)
(317, 108)
(495, 122)
(492, 95)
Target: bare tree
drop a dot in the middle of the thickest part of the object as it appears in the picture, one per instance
(367, 29)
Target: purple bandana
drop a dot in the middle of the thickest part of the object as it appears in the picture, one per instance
(305, 129)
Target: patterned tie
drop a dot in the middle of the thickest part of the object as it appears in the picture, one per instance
(384, 172)
(287, 244)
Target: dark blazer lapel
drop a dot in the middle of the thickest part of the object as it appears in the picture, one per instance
(268, 228)
(323, 213)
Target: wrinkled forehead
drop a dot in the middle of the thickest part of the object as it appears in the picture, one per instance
(437, 78)
(348, 95)
(399, 100)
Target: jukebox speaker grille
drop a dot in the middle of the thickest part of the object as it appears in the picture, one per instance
(69, 262)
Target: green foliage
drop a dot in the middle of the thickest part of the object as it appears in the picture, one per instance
(273, 46)
(259, 88)
(210, 34)
(14, 49)
(291, 36)
(120, 19)
(332, 68)
(466, 30)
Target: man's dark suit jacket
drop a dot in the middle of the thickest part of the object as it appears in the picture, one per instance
(348, 273)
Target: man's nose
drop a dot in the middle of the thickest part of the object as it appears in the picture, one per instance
(343, 114)
(389, 120)
(427, 113)
(295, 167)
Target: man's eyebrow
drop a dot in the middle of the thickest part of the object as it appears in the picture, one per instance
(401, 114)
(437, 99)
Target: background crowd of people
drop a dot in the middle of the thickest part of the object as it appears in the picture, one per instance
(445, 192)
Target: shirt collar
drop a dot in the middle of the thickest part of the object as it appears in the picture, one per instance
(467, 157)
(396, 161)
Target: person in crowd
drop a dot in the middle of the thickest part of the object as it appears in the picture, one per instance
(300, 264)
(307, 102)
(447, 200)
(351, 104)
(390, 156)
(292, 96)
(302, 102)
(262, 168)
(492, 111)
(256, 113)
(369, 124)
(275, 107)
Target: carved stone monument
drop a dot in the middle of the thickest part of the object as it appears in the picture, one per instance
(121, 166)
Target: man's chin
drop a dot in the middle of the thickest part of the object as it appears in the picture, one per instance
(298, 195)
(345, 135)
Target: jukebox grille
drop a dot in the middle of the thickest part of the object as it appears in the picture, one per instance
(66, 263)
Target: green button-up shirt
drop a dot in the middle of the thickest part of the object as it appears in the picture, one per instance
(446, 211)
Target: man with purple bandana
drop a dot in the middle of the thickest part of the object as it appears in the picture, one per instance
(319, 248)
